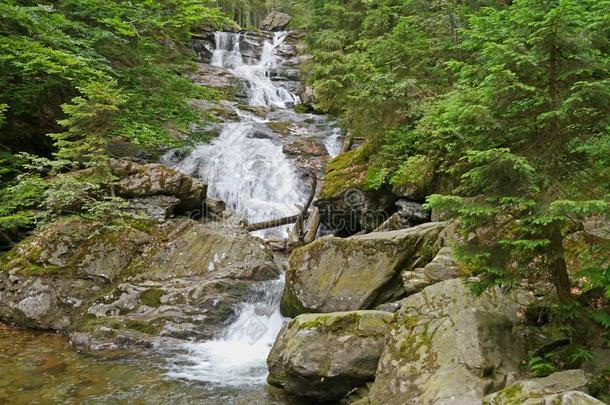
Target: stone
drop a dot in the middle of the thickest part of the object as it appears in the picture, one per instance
(442, 267)
(344, 274)
(409, 214)
(305, 147)
(276, 21)
(157, 208)
(307, 96)
(137, 180)
(347, 205)
(326, 356)
(446, 346)
(179, 278)
(565, 387)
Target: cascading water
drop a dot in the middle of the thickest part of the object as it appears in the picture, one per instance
(238, 357)
(255, 179)
(261, 90)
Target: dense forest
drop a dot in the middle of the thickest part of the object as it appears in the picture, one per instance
(493, 114)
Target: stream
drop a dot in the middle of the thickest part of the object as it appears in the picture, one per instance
(245, 166)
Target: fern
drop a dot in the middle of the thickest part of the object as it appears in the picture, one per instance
(541, 366)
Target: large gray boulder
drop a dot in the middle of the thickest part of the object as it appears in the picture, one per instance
(325, 356)
(565, 388)
(138, 180)
(180, 279)
(446, 346)
(276, 21)
(336, 274)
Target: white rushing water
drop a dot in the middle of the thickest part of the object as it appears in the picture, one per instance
(261, 90)
(238, 357)
(255, 179)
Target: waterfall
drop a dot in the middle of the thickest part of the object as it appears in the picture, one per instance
(253, 176)
(256, 179)
(261, 90)
(238, 357)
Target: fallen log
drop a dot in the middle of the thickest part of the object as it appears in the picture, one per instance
(293, 218)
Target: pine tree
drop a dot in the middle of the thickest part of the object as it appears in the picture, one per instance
(527, 128)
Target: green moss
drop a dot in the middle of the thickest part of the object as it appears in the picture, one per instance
(144, 327)
(511, 395)
(280, 127)
(348, 170)
(37, 270)
(290, 305)
(152, 297)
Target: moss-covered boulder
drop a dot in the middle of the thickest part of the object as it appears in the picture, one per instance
(566, 388)
(336, 274)
(446, 346)
(347, 205)
(326, 356)
(179, 279)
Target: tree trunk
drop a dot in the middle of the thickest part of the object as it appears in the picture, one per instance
(557, 266)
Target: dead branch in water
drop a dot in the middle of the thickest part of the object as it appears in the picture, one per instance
(291, 219)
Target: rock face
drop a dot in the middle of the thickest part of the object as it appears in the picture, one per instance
(276, 21)
(325, 356)
(347, 206)
(442, 267)
(447, 347)
(335, 274)
(153, 179)
(178, 279)
(566, 387)
(409, 214)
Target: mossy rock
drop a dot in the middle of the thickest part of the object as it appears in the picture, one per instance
(348, 170)
(343, 274)
(325, 356)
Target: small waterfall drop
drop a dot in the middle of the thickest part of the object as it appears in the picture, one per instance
(238, 357)
(261, 90)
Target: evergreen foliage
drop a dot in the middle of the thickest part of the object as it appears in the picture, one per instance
(508, 104)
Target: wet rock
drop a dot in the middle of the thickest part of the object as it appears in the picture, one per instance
(335, 274)
(212, 76)
(276, 21)
(325, 356)
(222, 110)
(80, 340)
(152, 179)
(446, 346)
(306, 94)
(566, 387)
(305, 147)
(203, 44)
(157, 208)
(154, 279)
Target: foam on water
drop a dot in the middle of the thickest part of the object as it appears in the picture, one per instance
(238, 357)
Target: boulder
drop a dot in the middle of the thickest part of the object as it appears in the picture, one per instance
(336, 274)
(307, 96)
(565, 387)
(442, 267)
(157, 208)
(137, 180)
(276, 21)
(326, 356)
(446, 346)
(409, 214)
(305, 147)
(132, 282)
(347, 205)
